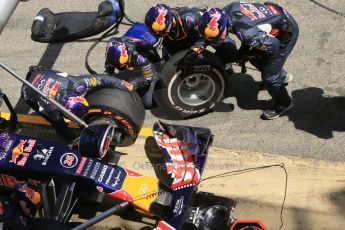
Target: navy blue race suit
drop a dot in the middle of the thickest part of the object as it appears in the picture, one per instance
(268, 33)
(59, 86)
(20, 207)
(139, 58)
(184, 35)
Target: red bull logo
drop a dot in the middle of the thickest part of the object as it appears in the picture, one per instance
(53, 91)
(21, 150)
(159, 24)
(124, 54)
(18, 151)
(78, 99)
(29, 193)
(212, 29)
(161, 17)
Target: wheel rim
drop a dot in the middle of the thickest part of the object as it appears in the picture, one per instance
(196, 89)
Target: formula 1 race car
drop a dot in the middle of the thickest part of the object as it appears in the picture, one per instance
(56, 180)
(67, 179)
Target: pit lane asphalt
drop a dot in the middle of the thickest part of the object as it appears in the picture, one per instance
(314, 128)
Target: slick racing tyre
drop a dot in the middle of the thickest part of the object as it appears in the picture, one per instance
(124, 109)
(194, 90)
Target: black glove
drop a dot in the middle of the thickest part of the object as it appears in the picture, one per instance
(190, 57)
(141, 82)
(187, 62)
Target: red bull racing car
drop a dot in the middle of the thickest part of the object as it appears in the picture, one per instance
(53, 182)
(43, 184)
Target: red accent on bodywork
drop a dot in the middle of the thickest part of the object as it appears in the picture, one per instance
(122, 195)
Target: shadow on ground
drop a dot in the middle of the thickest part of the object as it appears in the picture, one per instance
(316, 113)
(337, 198)
(313, 112)
(245, 89)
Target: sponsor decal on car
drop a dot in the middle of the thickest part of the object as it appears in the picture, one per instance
(110, 176)
(68, 160)
(24, 208)
(81, 165)
(95, 170)
(6, 143)
(118, 179)
(103, 172)
(8, 181)
(43, 155)
(21, 152)
(179, 206)
(87, 171)
(31, 194)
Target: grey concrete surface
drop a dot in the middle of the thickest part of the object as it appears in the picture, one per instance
(314, 128)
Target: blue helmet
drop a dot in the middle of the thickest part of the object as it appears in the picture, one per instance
(117, 54)
(77, 105)
(159, 19)
(214, 25)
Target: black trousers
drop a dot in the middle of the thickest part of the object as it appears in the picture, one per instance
(271, 66)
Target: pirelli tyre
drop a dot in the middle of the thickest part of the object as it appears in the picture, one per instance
(123, 108)
(194, 90)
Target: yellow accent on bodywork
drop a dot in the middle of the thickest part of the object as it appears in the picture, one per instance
(143, 189)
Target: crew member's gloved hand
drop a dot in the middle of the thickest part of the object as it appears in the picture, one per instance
(187, 62)
(191, 55)
(141, 82)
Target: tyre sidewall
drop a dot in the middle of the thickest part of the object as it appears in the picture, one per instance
(171, 76)
(178, 78)
(119, 106)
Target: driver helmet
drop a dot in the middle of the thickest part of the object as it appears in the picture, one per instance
(117, 54)
(77, 105)
(159, 19)
(214, 25)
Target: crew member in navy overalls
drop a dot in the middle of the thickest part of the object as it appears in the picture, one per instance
(178, 27)
(126, 53)
(268, 33)
(68, 90)
(20, 207)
